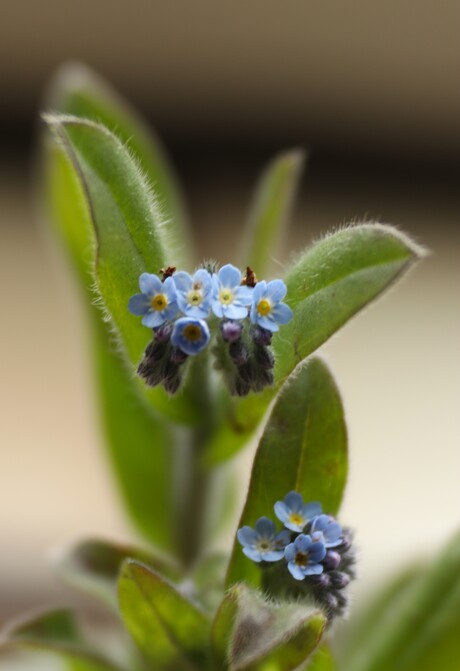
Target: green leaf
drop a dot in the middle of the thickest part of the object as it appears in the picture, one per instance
(322, 660)
(303, 448)
(55, 633)
(330, 283)
(268, 636)
(127, 233)
(417, 629)
(223, 625)
(139, 444)
(170, 630)
(94, 566)
(78, 91)
(271, 208)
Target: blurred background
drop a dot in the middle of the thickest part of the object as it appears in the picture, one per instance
(372, 91)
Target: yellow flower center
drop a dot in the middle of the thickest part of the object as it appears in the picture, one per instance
(192, 332)
(159, 302)
(195, 297)
(295, 518)
(264, 307)
(226, 296)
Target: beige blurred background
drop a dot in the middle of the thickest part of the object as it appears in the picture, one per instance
(372, 89)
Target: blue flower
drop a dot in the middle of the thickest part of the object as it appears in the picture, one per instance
(328, 530)
(263, 543)
(190, 335)
(294, 514)
(194, 294)
(230, 299)
(303, 556)
(157, 302)
(267, 309)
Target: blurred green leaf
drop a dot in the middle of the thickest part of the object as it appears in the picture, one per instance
(128, 234)
(330, 283)
(170, 630)
(273, 201)
(269, 635)
(222, 627)
(322, 660)
(78, 91)
(140, 446)
(94, 566)
(55, 633)
(418, 628)
(303, 448)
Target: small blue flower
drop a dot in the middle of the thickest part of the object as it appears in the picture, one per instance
(267, 309)
(294, 514)
(194, 294)
(230, 299)
(328, 530)
(190, 335)
(303, 556)
(263, 543)
(157, 302)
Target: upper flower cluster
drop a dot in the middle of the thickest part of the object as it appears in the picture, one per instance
(314, 546)
(177, 306)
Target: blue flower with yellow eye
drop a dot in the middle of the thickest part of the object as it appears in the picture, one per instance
(304, 556)
(268, 310)
(157, 302)
(263, 543)
(294, 514)
(230, 299)
(194, 294)
(190, 335)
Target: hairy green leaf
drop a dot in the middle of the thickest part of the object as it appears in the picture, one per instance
(128, 234)
(77, 90)
(138, 443)
(223, 625)
(55, 633)
(270, 211)
(94, 566)
(329, 284)
(418, 628)
(303, 448)
(170, 630)
(269, 635)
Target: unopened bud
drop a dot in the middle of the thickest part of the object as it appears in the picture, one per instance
(231, 330)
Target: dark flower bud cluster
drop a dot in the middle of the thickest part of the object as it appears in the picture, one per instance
(311, 557)
(177, 306)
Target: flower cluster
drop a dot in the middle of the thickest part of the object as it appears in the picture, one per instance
(177, 307)
(314, 547)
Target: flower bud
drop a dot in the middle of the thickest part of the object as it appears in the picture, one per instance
(261, 336)
(231, 330)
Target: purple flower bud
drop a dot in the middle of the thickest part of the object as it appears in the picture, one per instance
(231, 330)
(339, 579)
(238, 353)
(261, 336)
(331, 560)
(322, 581)
(264, 357)
(163, 332)
(177, 355)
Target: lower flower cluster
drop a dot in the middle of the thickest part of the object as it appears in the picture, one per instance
(314, 548)
(177, 307)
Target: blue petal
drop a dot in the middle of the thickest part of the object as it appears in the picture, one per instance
(282, 539)
(246, 536)
(296, 571)
(259, 291)
(313, 569)
(276, 290)
(268, 323)
(252, 554)
(229, 276)
(265, 527)
(169, 288)
(303, 543)
(243, 295)
(282, 313)
(183, 281)
(282, 511)
(217, 308)
(190, 347)
(311, 510)
(273, 555)
(320, 522)
(317, 551)
(295, 527)
(294, 501)
(170, 311)
(153, 319)
(203, 277)
(139, 304)
(150, 284)
(234, 311)
(290, 552)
